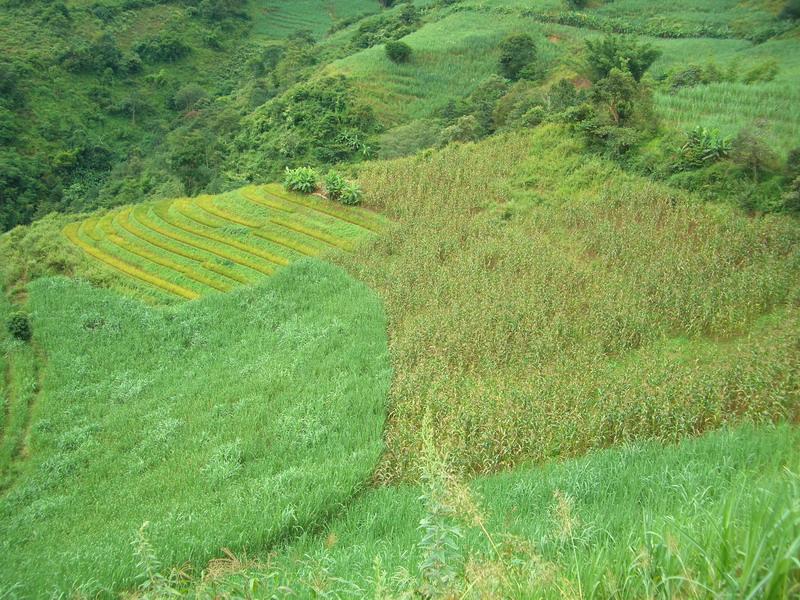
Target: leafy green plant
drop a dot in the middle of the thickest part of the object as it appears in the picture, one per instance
(702, 147)
(351, 194)
(301, 179)
(19, 326)
(334, 184)
(397, 51)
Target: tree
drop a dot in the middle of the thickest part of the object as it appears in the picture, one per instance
(517, 51)
(751, 152)
(189, 95)
(617, 94)
(624, 54)
(398, 52)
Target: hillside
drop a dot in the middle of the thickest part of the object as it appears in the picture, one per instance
(436, 299)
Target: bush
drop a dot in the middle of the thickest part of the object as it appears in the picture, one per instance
(791, 10)
(623, 53)
(703, 147)
(517, 54)
(398, 52)
(301, 179)
(334, 185)
(351, 194)
(19, 326)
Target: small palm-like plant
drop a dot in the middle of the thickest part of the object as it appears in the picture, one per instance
(704, 146)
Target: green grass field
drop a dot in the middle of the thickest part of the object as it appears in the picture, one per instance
(713, 517)
(206, 421)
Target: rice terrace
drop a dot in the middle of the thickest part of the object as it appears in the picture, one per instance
(436, 299)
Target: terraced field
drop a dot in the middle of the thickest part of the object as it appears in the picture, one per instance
(190, 247)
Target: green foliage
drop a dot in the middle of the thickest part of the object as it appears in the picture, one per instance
(243, 443)
(762, 73)
(621, 53)
(715, 516)
(464, 129)
(166, 46)
(351, 194)
(702, 147)
(301, 179)
(19, 326)
(791, 10)
(381, 29)
(517, 56)
(752, 152)
(576, 4)
(319, 122)
(693, 75)
(398, 52)
(334, 184)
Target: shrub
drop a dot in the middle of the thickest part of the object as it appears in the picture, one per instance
(301, 179)
(19, 326)
(623, 53)
(517, 53)
(334, 185)
(791, 10)
(465, 129)
(398, 52)
(762, 73)
(576, 4)
(752, 152)
(351, 194)
(703, 146)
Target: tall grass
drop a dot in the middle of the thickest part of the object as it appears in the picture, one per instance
(226, 422)
(713, 517)
(542, 303)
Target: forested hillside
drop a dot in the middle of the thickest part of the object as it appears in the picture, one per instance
(399, 299)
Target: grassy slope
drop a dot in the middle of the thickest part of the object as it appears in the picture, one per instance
(716, 515)
(223, 422)
(456, 51)
(541, 303)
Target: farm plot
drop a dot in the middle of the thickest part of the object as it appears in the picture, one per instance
(190, 247)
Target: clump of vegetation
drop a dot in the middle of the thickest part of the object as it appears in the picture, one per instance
(351, 194)
(398, 52)
(338, 188)
(517, 56)
(703, 147)
(19, 326)
(301, 179)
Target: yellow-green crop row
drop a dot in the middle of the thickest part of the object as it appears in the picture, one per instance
(253, 196)
(315, 233)
(162, 210)
(107, 227)
(286, 242)
(122, 220)
(207, 204)
(185, 206)
(71, 231)
(179, 237)
(256, 229)
(325, 207)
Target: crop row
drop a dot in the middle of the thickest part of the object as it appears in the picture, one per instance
(72, 233)
(199, 245)
(162, 211)
(111, 235)
(328, 208)
(258, 229)
(255, 198)
(164, 243)
(314, 233)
